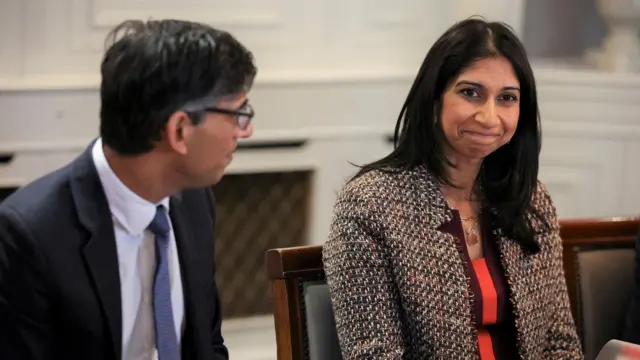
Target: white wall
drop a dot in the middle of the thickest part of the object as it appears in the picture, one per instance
(333, 72)
(58, 43)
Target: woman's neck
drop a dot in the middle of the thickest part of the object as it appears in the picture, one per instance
(463, 175)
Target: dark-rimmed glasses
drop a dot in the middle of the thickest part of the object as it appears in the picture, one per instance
(243, 114)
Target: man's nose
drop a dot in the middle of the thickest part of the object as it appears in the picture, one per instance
(246, 133)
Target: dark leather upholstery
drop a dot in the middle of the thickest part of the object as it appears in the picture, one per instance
(605, 288)
(321, 326)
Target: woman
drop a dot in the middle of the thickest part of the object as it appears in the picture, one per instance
(448, 248)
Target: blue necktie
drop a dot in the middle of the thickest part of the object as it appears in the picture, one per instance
(166, 341)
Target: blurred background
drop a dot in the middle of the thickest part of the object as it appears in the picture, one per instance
(332, 78)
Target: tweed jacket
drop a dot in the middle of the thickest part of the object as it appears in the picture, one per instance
(399, 287)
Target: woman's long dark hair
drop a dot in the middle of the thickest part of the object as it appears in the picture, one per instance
(509, 175)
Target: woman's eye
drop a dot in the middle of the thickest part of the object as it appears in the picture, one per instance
(469, 92)
(509, 97)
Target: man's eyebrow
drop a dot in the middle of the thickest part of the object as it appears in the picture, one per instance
(245, 102)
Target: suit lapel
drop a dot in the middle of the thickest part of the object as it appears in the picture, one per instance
(100, 254)
(189, 277)
(100, 251)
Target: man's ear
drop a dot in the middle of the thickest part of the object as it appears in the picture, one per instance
(179, 129)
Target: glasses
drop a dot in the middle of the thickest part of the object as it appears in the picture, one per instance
(243, 114)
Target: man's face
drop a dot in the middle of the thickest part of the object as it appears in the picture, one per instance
(209, 145)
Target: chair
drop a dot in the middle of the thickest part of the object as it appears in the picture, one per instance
(599, 267)
(301, 297)
(598, 262)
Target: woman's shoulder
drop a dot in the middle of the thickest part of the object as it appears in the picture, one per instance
(544, 217)
(542, 201)
(372, 181)
(385, 184)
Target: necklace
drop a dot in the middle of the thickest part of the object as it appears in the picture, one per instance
(470, 227)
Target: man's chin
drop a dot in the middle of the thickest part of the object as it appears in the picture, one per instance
(216, 177)
(207, 181)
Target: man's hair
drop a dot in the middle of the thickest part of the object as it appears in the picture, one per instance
(153, 69)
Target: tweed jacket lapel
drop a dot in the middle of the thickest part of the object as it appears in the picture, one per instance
(429, 195)
(425, 204)
(515, 262)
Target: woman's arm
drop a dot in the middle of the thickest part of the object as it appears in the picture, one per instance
(364, 297)
(563, 340)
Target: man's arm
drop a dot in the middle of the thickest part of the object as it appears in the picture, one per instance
(26, 327)
(217, 342)
(632, 325)
(220, 351)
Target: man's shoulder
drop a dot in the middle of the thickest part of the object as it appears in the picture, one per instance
(196, 206)
(197, 198)
(41, 201)
(196, 212)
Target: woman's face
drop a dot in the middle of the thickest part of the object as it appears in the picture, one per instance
(480, 109)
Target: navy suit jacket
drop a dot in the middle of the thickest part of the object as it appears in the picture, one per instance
(59, 277)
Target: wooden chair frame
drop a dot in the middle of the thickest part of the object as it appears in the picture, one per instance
(288, 269)
(587, 234)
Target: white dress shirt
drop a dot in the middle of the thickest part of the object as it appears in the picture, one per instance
(136, 260)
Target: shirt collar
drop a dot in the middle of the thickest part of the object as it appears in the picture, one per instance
(131, 211)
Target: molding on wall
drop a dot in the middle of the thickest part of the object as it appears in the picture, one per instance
(11, 182)
(310, 134)
(62, 82)
(581, 128)
(613, 129)
(547, 73)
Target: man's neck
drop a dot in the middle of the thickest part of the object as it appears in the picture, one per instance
(141, 174)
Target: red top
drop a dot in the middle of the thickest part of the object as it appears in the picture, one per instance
(491, 304)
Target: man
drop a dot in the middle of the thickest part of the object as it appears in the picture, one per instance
(111, 257)
(631, 331)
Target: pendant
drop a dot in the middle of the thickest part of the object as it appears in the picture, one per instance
(472, 239)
